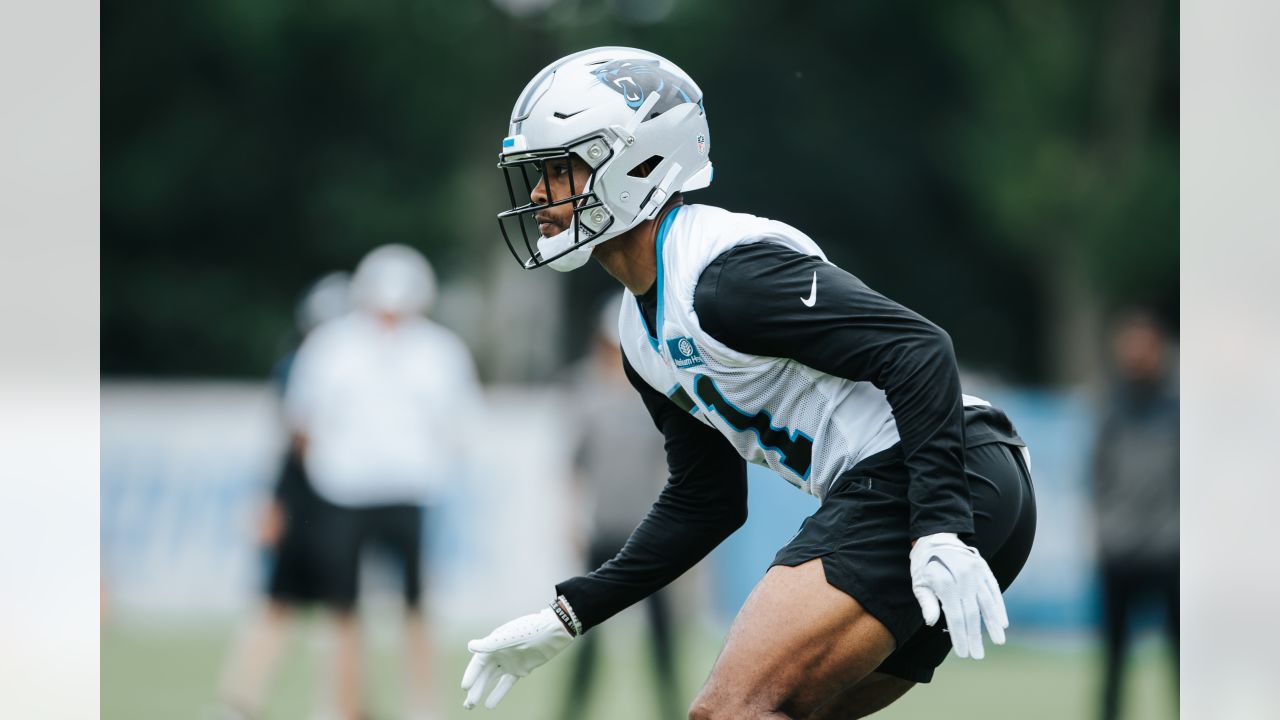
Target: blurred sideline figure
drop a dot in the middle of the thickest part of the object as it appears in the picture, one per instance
(1135, 475)
(619, 468)
(286, 530)
(378, 404)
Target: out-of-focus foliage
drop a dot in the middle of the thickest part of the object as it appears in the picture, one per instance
(1007, 169)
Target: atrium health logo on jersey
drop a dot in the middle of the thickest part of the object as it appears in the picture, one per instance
(684, 353)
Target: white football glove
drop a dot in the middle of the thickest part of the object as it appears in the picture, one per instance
(509, 653)
(945, 570)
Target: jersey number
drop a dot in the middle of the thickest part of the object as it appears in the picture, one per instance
(795, 447)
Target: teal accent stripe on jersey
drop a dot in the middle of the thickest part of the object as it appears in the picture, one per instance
(662, 300)
(648, 331)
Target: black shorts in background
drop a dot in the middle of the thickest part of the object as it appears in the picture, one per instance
(861, 534)
(346, 533)
(297, 568)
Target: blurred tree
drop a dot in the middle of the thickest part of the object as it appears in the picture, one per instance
(1068, 150)
(1009, 170)
(250, 147)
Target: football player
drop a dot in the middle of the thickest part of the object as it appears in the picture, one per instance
(747, 345)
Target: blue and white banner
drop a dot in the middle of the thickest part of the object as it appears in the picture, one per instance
(186, 467)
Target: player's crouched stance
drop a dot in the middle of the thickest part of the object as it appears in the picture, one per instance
(744, 343)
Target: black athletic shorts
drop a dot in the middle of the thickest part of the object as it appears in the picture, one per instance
(297, 566)
(861, 534)
(345, 534)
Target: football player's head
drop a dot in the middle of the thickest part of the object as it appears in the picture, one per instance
(598, 141)
(1138, 346)
(393, 282)
(326, 299)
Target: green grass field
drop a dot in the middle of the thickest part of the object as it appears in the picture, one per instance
(154, 672)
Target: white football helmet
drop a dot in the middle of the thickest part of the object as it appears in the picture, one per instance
(394, 279)
(326, 299)
(614, 108)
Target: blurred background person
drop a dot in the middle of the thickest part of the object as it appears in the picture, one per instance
(619, 467)
(377, 401)
(1135, 494)
(287, 532)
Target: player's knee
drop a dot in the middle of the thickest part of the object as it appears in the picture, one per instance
(706, 709)
(873, 694)
(705, 712)
(701, 710)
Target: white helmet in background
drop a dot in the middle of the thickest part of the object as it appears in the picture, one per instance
(394, 279)
(614, 108)
(326, 299)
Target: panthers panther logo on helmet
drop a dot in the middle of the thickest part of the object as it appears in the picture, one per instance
(635, 79)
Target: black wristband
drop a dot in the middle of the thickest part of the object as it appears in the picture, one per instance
(565, 618)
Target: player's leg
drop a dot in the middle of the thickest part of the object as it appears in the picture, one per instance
(664, 656)
(336, 547)
(1004, 528)
(1116, 591)
(1004, 517)
(253, 663)
(1172, 615)
(419, 683)
(873, 693)
(257, 653)
(826, 625)
(346, 680)
(836, 603)
(797, 643)
(403, 526)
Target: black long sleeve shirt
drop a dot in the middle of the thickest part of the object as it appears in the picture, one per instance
(750, 299)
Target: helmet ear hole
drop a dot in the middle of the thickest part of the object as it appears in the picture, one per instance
(645, 168)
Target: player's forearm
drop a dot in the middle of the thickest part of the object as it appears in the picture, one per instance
(704, 501)
(923, 389)
(676, 534)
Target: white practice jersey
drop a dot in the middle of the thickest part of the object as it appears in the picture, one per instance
(807, 426)
(386, 411)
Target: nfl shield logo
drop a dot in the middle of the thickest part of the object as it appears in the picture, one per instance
(702, 144)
